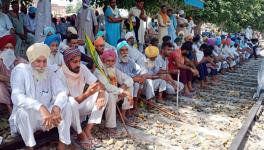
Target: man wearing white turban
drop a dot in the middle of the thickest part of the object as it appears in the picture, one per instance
(40, 100)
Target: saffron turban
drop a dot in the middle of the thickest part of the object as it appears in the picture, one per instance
(7, 39)
(70, 54)
(152, 51)
(48, 29)
(36, 50)
(99, 41)
(51, 39)
(121, 45)
(108, 54)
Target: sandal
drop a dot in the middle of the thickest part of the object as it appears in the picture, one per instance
(83, 144)
(97, 143)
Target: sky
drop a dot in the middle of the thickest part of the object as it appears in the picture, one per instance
(63, 2)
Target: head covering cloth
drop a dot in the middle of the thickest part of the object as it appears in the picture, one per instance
(36, 50)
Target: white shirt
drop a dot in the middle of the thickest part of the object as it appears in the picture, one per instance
(28, 93)
(199, 54)
(76, 82)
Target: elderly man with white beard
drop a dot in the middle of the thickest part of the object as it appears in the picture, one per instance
(90, 101)
(119, 86)
(154, 81)
(128, 66)
(40, 100)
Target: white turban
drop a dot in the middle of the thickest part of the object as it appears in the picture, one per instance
(181, 12)
(36, 50)
(72, 30)
(129, 35)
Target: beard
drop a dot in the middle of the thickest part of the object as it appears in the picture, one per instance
(40, 73)
(124, 58)
(150, 64)
(111, 71)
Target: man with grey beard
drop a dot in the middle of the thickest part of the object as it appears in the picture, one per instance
(40, 99)
(129, 67)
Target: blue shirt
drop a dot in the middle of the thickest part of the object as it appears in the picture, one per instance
(130, 68)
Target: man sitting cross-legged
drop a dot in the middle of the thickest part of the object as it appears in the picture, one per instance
(118, 85)
(90, 101)
(40, 99)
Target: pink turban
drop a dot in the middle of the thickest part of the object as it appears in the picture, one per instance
(107, 54)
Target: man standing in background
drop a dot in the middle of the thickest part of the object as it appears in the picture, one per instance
(138, 11)
(87, 22)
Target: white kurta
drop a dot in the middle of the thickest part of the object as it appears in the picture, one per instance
(76, 84)
(28, 95)
(114, 91)
(142, 29)
(56, 59)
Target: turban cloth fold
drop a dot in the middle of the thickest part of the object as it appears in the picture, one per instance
(36, 50)
(99, 34)
(70, 54)
(121, 45)
(72, 30)
(152, 51)
(51, 39)
(48, 29)
(99, 41)
(108, 54)
(129, 35)
(7, 39)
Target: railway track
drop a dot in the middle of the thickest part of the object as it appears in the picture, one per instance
(252, 128)
(211, 120)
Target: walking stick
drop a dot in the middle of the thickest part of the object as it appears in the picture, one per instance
(159, 108)
(123, 121)
(178, 83)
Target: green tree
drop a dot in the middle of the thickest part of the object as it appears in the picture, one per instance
(70, 9)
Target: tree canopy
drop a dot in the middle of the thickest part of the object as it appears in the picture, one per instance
(230, 15)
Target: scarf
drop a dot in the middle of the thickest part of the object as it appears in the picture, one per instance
(165, 17)
(115, 12)
(75, 81)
